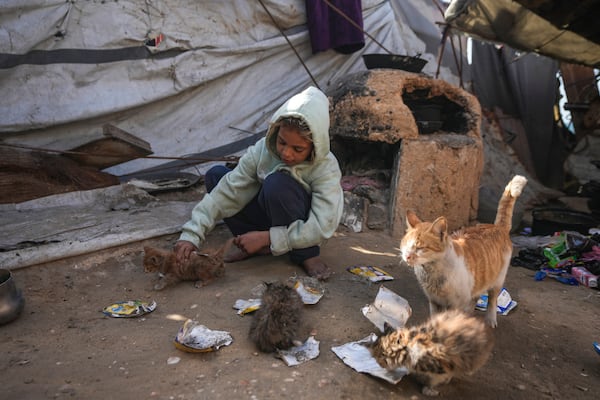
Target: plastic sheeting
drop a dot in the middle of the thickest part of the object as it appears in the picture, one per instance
(66, 68)
(508, 22)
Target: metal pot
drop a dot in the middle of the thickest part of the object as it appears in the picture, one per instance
(11, 298)
(393, 61)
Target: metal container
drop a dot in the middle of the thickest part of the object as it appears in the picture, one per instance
(393, 61)
(547, 221)
(11, 298)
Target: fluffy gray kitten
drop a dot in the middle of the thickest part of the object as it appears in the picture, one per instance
(276, 323)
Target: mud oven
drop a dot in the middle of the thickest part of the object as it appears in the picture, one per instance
(405, 142)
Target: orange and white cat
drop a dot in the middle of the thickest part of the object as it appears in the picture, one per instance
(454, 269)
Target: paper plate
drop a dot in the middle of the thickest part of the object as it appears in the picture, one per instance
(194, 337)
(188, 349)
(129, 309)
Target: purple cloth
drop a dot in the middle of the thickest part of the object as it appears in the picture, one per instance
(330, 30)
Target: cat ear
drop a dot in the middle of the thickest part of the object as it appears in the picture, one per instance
(411, 219)
(440, 227)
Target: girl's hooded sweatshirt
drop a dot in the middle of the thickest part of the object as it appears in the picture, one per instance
(319, 176)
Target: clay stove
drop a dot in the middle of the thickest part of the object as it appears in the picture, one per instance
(405, 142)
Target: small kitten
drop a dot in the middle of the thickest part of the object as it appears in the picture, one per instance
(455, 269)
(450, 344)
(276, 323)
(202, 268)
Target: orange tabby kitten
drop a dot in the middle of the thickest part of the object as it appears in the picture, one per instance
(202, 268)
(450, 344)
(455, 269)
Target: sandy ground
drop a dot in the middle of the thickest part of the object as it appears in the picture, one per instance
(62, 346)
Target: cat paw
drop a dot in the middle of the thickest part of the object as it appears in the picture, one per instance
(159, 286)
(200, 284)
(491, 321)
(429, 391)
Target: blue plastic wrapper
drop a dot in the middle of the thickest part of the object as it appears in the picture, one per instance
(560, 275)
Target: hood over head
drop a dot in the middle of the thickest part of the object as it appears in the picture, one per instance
(312, 106)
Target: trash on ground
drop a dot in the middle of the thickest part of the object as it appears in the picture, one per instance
(357, 356)
(129, 309)
(194, 337)
(571, 258)
(597, 347)
(504, 306)
(374, 274)
(387, 307)
(310, 289)
(173, 360)
(559, 274)
(585, 277)
(532, 242)
(246, 306)
(558, 257)
(299, 354)
(558, 254)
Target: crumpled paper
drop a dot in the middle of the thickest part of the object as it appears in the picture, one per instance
(300, 354)
(388, 307)
(357, 356)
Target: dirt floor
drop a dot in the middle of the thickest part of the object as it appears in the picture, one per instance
(63, 346)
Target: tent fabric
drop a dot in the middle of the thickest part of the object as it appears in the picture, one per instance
(524, 87)
(511, 23)
(219, 72)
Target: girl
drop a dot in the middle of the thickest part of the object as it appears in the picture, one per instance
(284, 196)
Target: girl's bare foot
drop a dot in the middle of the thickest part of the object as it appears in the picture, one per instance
(234, 253)
(315, 267)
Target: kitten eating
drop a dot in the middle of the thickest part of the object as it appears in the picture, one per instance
(450, 344)
(202, 268)
(454, 269)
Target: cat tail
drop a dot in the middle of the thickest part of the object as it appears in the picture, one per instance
(507, 202)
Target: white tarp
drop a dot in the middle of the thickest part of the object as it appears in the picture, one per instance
(220, 65)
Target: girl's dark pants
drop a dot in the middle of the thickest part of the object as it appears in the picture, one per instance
(280, 201)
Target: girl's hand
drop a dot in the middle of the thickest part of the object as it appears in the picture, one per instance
(183, 249)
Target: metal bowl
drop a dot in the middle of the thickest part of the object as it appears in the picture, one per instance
(11, 298)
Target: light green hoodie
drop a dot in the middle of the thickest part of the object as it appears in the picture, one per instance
(320, 177)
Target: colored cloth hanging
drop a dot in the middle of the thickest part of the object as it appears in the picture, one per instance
(330, 30)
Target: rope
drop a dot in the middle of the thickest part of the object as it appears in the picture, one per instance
(290, 43)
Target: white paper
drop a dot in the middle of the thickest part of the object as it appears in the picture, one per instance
(357, 356)
(299, 354)
(388, 307)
